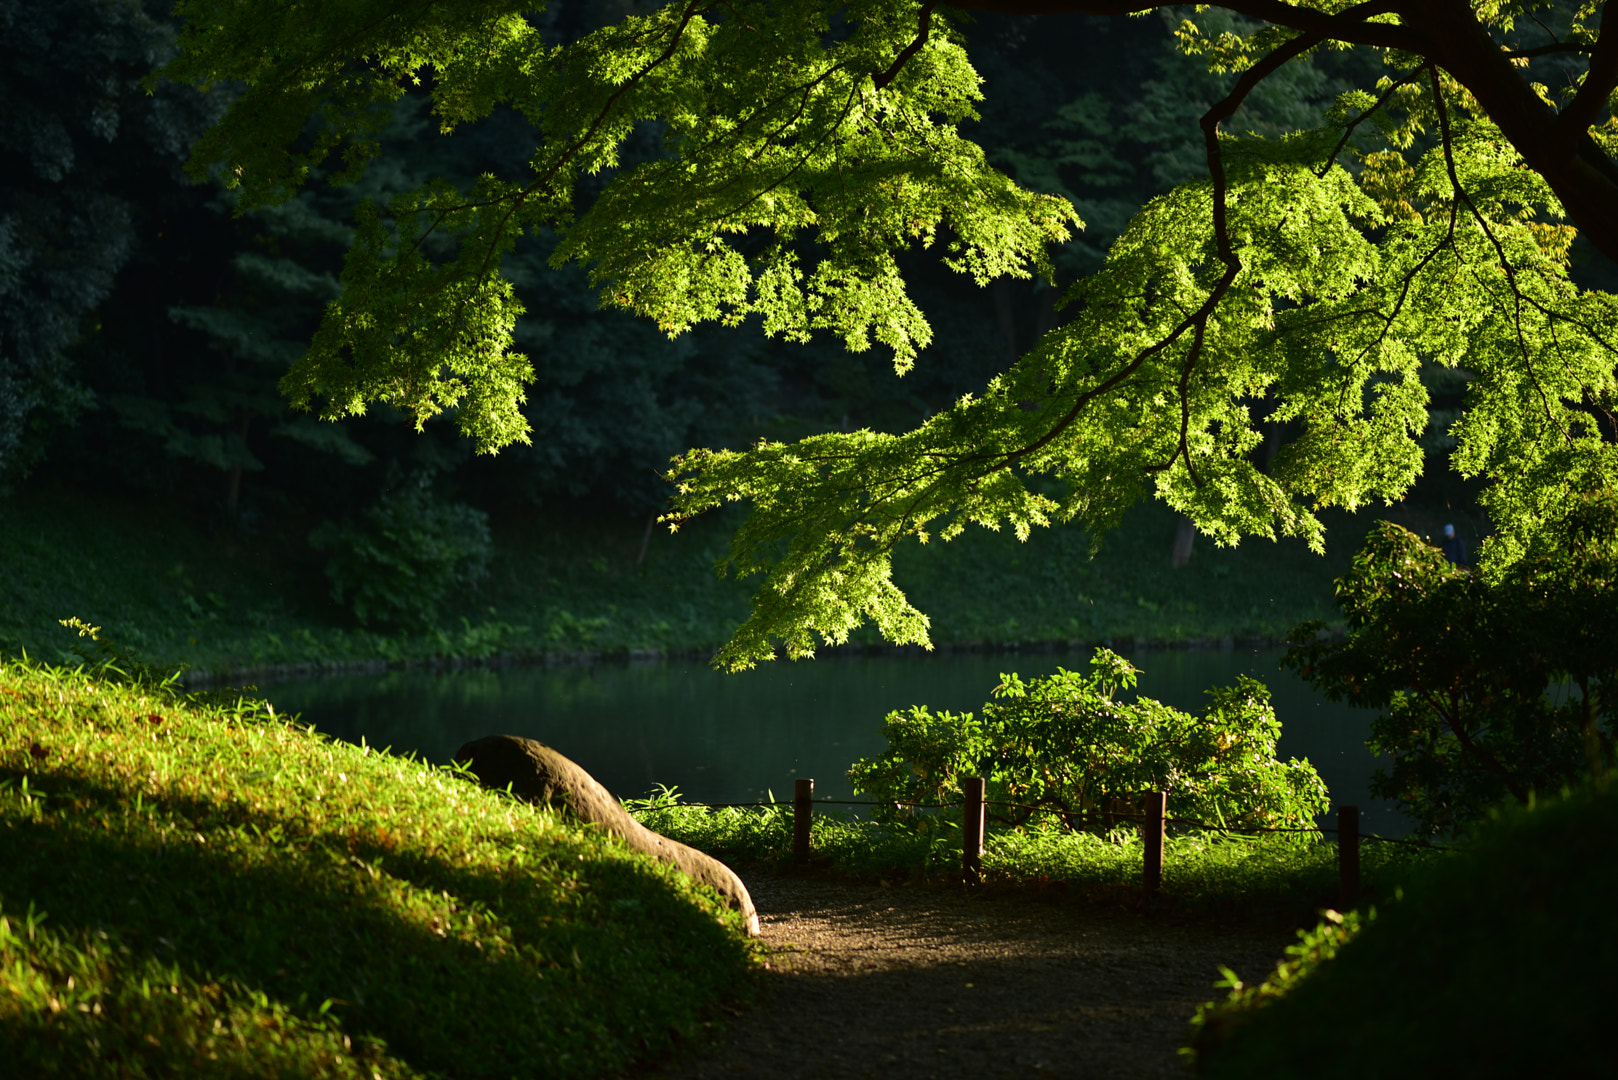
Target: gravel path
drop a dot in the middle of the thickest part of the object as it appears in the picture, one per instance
(909, 984)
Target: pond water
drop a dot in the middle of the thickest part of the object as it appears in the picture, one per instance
(738, 738)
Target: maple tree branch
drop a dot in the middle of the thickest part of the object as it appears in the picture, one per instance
(517, 199)
(1499, 249)
(1197, 321)
(1573, 122)
(1220, 112)
(1449, 34)
(1583, 177)
(1348, 130)
(1547, 50)
(1344, 26)
(924, 27)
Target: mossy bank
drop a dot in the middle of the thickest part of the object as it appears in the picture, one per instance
(178, 587)
(201, 888)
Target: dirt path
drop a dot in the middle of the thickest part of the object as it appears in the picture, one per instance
(908, 984)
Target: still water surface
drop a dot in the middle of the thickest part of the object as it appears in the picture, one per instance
(737, 738)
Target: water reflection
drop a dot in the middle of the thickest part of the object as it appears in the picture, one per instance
(736, 738)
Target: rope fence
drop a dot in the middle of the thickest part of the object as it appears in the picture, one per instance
(1155, 820)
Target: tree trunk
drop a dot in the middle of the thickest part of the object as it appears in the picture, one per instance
(1006, 316)
(646, 538)
(233, 488)
(1185, 533)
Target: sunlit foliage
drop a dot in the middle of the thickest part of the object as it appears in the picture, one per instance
(1305, 281)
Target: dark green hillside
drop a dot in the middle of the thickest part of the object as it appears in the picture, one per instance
(1495, 963)
(173, 590)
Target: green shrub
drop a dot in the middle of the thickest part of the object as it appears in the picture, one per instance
(1066, 747)
(1494, 962)
(1491, 685)
(401, 560)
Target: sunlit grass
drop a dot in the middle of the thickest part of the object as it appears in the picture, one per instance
(203, 888)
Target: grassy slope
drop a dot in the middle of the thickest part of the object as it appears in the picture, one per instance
(206, 890)
(174, 591)
(1498, 963)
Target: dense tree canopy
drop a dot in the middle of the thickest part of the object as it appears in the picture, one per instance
(805, 147)
(81, 150)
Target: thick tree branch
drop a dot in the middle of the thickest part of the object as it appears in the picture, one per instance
(1547, 50)
(1583, 178)
(1572, 125)
(1211, 120)
(924, 27)
(1447, 33)
(1339, 27)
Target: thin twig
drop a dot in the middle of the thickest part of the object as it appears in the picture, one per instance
(1354, 123)
(1500, 251)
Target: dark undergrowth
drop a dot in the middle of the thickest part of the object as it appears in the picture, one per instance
(1495, 962)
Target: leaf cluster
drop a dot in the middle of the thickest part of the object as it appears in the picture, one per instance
(782, 136)
(1317, 306)
(1306, 283)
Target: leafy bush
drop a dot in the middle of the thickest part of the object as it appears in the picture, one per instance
(406, 554)
(1492, 688)
(1065, 747)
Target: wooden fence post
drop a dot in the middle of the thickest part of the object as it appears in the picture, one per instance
(1152, 868)
(972, 830)
(1348, 857)
(803, 808)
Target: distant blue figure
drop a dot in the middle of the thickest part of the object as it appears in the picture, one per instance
(1454, 548)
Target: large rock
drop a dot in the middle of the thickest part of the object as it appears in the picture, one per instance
(538, 774)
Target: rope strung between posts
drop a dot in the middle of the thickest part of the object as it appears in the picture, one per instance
(1155, 822)
(1190, 822)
